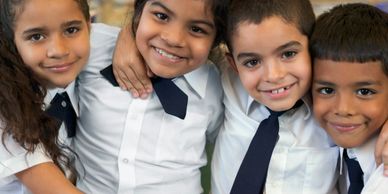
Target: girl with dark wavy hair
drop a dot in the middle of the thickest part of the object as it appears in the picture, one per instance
(43, 46)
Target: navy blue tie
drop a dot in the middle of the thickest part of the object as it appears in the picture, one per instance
(252, 174)
(173, 100)
(61, 109)
(355, 175)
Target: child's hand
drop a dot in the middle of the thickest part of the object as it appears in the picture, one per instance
(381, 151)
(128, 66)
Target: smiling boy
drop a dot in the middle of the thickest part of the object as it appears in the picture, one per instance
(350, 89)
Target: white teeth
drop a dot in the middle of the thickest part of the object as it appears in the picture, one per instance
(165, 54)
(280, 90)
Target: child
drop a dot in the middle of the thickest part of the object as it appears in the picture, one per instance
(268, 44)
(349, 46)
(129, 145)
(44, 45)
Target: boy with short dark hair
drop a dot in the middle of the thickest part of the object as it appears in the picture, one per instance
(266, 103)
(350, 88)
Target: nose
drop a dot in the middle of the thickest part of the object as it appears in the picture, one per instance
(274, 71)
(57, 48)
(343, 105)
(174, 36)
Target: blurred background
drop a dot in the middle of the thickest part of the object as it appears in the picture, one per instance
(117, 12)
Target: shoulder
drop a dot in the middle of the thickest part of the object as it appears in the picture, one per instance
(102, 41)
(13, 158)
(100, 30)
(377, 183)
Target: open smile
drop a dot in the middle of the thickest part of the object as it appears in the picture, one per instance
(168, 55)
(279, 90)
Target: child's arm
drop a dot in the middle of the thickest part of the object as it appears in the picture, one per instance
(381, 151)
(128, 66)
(46, 178)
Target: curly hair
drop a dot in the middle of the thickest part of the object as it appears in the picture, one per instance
(22, 96)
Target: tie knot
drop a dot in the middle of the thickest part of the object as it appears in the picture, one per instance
(279, 113)
(276, 113)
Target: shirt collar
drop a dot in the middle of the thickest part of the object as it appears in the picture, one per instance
(197, 79)
(252, 104)
(70, 89)
(363, 154)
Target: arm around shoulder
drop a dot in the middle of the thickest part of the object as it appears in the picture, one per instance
(46, 178)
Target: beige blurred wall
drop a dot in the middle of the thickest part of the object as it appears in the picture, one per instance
(115, 12)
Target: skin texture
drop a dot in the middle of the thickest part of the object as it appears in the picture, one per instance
(275, 66)
(172, 40)
(52, 37)
(51, 176)
(350, 100)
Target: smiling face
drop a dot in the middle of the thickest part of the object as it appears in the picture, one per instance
(172, 40)
(273, 62)
(52, 37)
(350, 100)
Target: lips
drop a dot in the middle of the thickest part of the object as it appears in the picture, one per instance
(279, 90)
(344, 127)
(168, 55)
(60, 67)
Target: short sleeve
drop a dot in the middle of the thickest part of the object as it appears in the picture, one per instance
(13, 158)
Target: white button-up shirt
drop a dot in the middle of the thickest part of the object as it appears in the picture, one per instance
(14, 158)
(131, 146)
(304, 160)
(374, 180)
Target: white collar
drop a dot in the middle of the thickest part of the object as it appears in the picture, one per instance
(70, 90)
(197, 79)
(252, 103)
(364, 154)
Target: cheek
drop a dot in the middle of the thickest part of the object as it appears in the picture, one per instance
(201, 50)
(29, 56)
(377, 114)
(249, 82)
(320, 108)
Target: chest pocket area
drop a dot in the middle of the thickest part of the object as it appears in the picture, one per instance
(182, 141)
(303, 171)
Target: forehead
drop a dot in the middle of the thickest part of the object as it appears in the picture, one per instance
(193, 7)
(42, 12)
(268, 34)
(349, 72)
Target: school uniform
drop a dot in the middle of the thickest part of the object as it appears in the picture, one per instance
(374, 180)
(132, 146)
(14, 159)
(304, 159)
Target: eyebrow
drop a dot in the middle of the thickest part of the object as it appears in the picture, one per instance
(44, 29)
(325, 83)
(287, 45)
(280, 48)
(357, 84)
(71, 23)
(367, 83)
(169, 11)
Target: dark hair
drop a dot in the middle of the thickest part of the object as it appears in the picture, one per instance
(352, 32)
(298, 12)
(218, 9)
(22, 95)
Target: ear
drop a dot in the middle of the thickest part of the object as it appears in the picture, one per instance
(231, 62)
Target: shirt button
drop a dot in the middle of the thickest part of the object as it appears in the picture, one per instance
(125, 161)
(64, 104)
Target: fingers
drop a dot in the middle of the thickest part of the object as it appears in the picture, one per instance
(128, 66)
(381, 150)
